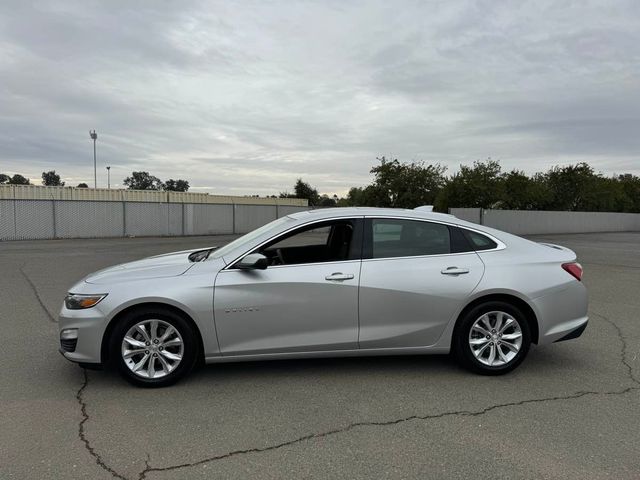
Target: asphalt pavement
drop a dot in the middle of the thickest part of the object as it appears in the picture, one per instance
(571, 410)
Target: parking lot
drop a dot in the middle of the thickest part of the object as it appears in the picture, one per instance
(572, 410)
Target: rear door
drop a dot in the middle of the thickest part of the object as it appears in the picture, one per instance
(415, 276)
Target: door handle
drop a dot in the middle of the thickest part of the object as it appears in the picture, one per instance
(339, 276)
(454, 271)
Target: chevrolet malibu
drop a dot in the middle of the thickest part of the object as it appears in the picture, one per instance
(331, 282)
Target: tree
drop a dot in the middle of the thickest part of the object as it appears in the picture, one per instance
(630, 185)
(51, 179)
(483, 185)
(303, 190)
(477, 186)
(572, 187)
(142, 181)
(18, 179)
(82, 185)
(176, 185)
(4, 178)
(327, 201)
(353, 198)
(403, 185)
(521, 192)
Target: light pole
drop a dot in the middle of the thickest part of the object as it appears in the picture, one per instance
(109, 178)
(94, 137)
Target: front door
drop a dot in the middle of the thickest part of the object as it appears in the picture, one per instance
(305, 300)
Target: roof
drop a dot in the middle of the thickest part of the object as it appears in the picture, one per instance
(370, 211)
(419, 213)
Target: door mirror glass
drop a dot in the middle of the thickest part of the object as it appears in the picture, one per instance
(253, 261)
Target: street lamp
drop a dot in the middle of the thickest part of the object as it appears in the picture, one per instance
(109, 177)
(94, 137)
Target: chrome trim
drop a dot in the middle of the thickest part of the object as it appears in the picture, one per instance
(334, 262)
(500, 245)
(420, 256)
(230, 265)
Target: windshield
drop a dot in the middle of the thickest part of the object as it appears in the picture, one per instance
(249, 237)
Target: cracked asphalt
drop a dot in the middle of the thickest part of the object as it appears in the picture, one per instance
(572, 410)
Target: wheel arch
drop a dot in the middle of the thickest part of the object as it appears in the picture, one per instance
(527, 310)
(104, 348)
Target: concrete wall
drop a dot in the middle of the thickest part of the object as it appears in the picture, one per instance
(529, 222)
(468, 214)
(45, 219)
(38, 192)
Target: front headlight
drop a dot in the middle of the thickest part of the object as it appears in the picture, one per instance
(76, 301)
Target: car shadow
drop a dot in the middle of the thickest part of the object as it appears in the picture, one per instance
(545, 359)
(388, 369)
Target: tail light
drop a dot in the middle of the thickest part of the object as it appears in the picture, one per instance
(574, 268)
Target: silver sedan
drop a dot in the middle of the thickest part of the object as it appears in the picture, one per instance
(331, 282)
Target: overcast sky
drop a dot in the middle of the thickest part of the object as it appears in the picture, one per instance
(244, 97)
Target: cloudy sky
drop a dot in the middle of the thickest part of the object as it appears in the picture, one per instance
(244, 97)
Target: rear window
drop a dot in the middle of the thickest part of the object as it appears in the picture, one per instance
(406, 238)
(479, 241)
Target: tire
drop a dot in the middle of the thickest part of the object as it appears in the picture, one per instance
(153, 359)
(472, 349)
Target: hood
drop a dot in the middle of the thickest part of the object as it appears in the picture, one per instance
(166, 265)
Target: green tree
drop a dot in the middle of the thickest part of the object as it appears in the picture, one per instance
(51, 179)
(327, 201)
(630, 186)
(521, 192)
(18, 179)
(400, 185)
(303, 190)
(480, 185)
(142, 181)
(572, 187)
(176, 185)
(4, 178)
(82, 185)
(354, 198)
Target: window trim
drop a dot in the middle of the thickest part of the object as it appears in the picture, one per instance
(472, 244)
(367, 243)
(358, 233)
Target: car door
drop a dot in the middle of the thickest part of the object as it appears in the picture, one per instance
(305, 300)
(414, 278)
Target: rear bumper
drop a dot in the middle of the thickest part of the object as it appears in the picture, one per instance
(562, 315)
(574, 333)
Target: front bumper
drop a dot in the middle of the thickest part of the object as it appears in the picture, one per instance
(90, 325)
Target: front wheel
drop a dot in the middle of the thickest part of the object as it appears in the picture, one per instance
(492, 338)
(153, 347)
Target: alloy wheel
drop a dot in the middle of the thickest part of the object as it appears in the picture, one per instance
(152, 348)
(495, 338)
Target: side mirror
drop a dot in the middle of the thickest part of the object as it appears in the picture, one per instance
(253, 261)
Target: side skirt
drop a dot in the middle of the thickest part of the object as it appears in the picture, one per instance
(327, 354)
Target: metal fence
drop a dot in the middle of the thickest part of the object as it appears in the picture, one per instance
(49, 219)
(531, 222)
(37, 192)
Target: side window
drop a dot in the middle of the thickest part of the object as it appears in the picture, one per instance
(305, 238)
(406, 238)
(479, 241)
(321, 242)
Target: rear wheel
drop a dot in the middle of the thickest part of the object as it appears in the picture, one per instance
(492, 338)
(154, 347)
